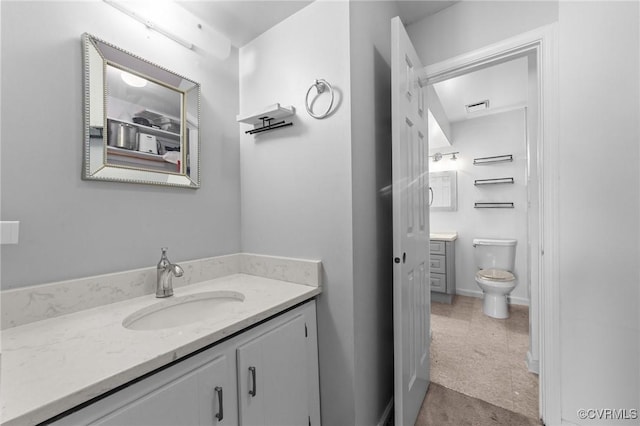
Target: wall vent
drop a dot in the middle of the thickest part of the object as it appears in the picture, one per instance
(477, 106)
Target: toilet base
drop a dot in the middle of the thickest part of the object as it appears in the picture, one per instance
(495, 305)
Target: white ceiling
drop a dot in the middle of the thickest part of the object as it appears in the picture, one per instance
(243, 20)
(504, 85)
(415, 10)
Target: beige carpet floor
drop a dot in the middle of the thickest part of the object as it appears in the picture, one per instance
(443, 407)
(483, 357)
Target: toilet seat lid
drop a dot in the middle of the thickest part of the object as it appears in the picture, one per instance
(495, 275)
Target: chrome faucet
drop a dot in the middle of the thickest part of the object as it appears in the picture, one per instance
(166, 270)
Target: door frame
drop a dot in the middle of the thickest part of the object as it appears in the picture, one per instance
(543, 43)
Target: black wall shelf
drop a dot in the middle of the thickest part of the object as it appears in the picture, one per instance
(493, 205)
(491, 160)
(265, 120)
(493, 181)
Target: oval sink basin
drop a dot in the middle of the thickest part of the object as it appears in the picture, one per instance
(183, 310)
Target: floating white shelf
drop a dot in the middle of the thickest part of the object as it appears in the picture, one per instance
(273, 112)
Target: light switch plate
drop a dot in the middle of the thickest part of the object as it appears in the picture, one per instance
(9, 231)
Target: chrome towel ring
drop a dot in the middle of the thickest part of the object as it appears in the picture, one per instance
(320, 86)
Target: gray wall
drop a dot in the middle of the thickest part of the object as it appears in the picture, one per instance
(470, 25)
(72, 228)
(296, 181)
(370, 41)
(599, 45)
(317, 189)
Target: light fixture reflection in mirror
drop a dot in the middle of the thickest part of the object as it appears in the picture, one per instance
(141, 120)
(445, 161)
(132, 80)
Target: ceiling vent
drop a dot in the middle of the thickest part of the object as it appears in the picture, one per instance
(477, 106)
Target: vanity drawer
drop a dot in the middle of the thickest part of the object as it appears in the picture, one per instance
(438, 282)
(436, 247)
(438, 263)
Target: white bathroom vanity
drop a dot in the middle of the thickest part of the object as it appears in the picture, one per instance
(252, 361)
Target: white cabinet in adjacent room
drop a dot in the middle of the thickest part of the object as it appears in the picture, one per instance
(442, 265)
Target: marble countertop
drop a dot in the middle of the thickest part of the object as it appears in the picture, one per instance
(53, 365)
(444, 236)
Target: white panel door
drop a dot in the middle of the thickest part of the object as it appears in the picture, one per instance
(273, 381)
(411, 286)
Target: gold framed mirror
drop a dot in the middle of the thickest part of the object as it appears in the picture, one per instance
(141, 120)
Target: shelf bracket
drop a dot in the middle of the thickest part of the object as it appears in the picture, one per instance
(268, 125)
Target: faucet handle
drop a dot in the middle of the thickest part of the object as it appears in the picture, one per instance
(177, 270)
(164, 260)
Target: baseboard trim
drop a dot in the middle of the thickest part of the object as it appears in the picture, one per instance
(442, 297)
(386, 414)
(533, 364)
(469, 293)
(473, 293)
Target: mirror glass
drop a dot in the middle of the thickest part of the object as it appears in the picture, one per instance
(141, 120)
(443, 193)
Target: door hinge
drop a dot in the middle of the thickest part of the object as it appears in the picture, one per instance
(306, 334)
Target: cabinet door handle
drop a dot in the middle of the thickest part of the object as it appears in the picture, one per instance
(253, 392)
(220, 414)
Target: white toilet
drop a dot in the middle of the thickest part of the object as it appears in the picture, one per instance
(495, 260)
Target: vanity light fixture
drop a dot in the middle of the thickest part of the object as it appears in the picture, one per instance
(152, 26)
(133, 80)
(438, 156)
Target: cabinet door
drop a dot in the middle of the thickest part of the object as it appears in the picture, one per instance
(180, 395)
(190, 400)
(273, 384)
(217, 392)
(171, 404)
(438, 263)
(438, 282)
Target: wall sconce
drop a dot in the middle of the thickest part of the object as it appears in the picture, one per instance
(152, 26)
(438, 156)
(176, 23)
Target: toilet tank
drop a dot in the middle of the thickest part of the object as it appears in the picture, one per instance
(495, 253)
